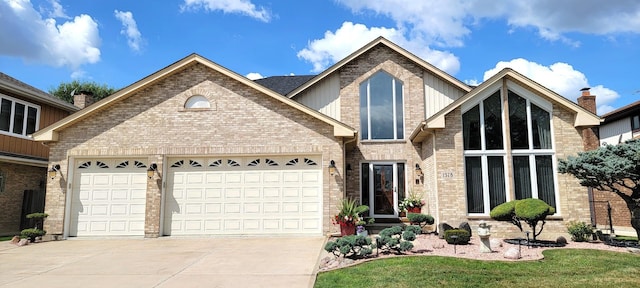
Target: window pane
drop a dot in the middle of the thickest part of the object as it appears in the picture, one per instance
(635, 122)
(471, 129)
(381, 106)
(493, 122)
(399, 111)
(473, 171)
(497, 191)
(31, 120)
(518, 122)
(364, 114)
(544, 173)
(522, 177)
(541, 126)
(18, 118)
(364, 170)
(5, 115)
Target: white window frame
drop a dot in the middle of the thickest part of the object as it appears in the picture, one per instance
(484, 154)
(532, 153)
(394, 108)
(27, 105)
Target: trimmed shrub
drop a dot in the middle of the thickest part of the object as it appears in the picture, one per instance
(463, 236)
(530, 211)
(579, 231)
(394, 238)
(533, 208)
(504, 211)
(32, 233)
(352, 246)
(413, 228)
(420, 219)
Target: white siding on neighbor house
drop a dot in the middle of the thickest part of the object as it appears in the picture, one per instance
(323, 96)
(615, 132)
(438, 94)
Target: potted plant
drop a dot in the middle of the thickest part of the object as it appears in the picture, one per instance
(361, 228)
(349, 215)
(411, 204)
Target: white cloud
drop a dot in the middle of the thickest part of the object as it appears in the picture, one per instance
(57, 11)
(130, 29)
(448, 22)
(254, 76)
(349, 37)
(24, 33)
(562, 78)
(244, 7)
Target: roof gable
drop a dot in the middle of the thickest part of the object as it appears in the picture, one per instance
(51, 133)
(382, 41)
(583, 118)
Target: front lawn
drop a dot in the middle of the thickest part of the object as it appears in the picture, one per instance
(560, 268)
(5, 238)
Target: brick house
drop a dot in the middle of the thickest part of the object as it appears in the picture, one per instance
(196, 149)
(23, 162)
(617, 126)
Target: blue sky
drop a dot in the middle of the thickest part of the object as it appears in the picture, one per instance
(564, 45)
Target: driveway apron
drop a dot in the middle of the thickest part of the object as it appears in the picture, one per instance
(163, 262)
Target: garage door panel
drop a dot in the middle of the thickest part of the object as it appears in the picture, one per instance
(232, 208)
(233, 178)
(193, 209)
(213, 193)
(213, 208)
(252, 208)
(271, 193)
(245, 198)
(194, 193)
(252, 192)
(231, 193)
(99, 195)
(137, 209)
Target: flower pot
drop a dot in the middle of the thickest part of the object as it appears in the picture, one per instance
(413, 210)
(347, 228)
(363, 233)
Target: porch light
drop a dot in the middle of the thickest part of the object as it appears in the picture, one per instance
(418, 171)
(332, 167)
(53, 172)
(152, 170)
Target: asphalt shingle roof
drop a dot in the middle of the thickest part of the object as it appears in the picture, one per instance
(284, 84)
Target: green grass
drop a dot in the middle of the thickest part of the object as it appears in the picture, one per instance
(5, 238)
(560, 268)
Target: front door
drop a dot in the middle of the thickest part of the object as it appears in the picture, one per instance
(385, 186)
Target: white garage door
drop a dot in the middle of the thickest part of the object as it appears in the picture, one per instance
(108, 198)
(244, 196)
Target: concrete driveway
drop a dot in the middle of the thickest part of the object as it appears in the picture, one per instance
(162, 262)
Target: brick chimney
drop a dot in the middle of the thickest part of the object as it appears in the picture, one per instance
(83, 99)
(590, 139)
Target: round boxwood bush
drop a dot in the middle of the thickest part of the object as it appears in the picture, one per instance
(463, 236)
(420, 219)
(532, 208)
(504, 211)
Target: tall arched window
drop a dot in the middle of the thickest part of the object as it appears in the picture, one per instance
(381, 108)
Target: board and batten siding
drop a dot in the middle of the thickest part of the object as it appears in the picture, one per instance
(438, 94)
(323, 97)
(615, 132)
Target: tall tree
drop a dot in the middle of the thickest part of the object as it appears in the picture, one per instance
(66, 90)
(611, 168)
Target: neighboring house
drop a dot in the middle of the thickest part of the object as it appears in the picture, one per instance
(618, 126)
(23, 162)
(228, 156)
